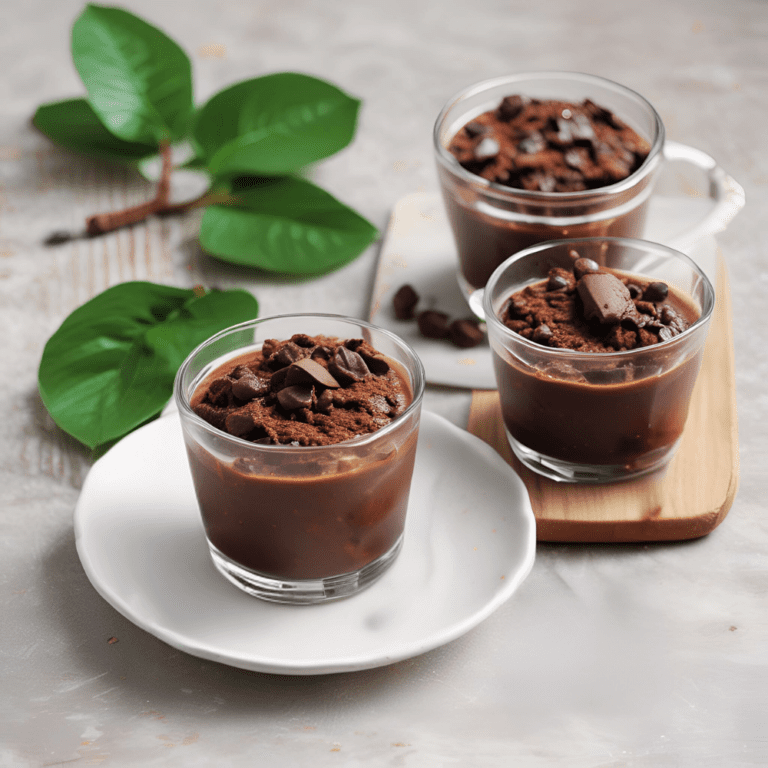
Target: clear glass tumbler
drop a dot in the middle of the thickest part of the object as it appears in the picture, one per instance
(491, 221)
(301, 524)
(597, 417)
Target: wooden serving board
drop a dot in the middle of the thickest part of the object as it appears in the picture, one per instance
(686, 501)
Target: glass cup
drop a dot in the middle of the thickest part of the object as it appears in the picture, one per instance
(301, 524)
(491, 221)
(597, 417)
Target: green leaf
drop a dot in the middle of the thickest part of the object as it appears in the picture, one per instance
(74, 125)
(110, 366)
(274, 125)
(139, 81)
(286, 225)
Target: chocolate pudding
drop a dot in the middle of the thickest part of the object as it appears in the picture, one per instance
(315, 500)
(555, 168)
(626, 409)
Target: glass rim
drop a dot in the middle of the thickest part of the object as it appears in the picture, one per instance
(492, 319)
(450, 163)
(417, 373)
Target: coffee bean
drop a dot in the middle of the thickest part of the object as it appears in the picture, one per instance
(348, 365)
(404, 302)
(433, 324)
(542, 334)
(296, 396)
(656, 291)
(556, 283)
(486, 149)
(466, 333)
(249, 387)
(583, 267)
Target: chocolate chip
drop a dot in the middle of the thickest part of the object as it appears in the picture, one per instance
(656, 291)
(556, 283)
(605, 298)
(542, 334)
(249, 387)
(583, 267)
(240, 423)
(348, 365)
(311, 371)
(486, 149)
(433, 324)
(404, 302)
(296, 396)
(466, 333)
(510, 107)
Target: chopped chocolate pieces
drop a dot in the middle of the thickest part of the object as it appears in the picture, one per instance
(433, 324)
(466, 333)
(604, 298)
(332, 391)
(404, 302)
(549, 145)
(591, 309)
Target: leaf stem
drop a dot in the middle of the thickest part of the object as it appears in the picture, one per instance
(102, 223)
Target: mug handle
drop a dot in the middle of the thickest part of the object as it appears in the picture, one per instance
(726, 193)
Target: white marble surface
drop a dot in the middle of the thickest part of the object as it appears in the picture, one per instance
(637, 656)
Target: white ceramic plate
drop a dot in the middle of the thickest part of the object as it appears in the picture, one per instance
(469, 543)
(693, 199)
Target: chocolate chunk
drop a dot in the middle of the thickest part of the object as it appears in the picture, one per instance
(277, 381)
(466, 333)
(302, 340)
(474, 129)
(248, 387)
(542, 334)
(635, 291)
(486, 149)
(605, 298)
(321, 353)
(666, 333)
(404, 302)
(289, 353)
(583, 267)
(556, 283)
(240, 423)
(378, 366)
(519, 307)
(296, 396)
(348, 365)
(240, 371)
(311, 371)
(219, 390)
(433, 324)
(657, 291)
(510, 107)
(324, 402)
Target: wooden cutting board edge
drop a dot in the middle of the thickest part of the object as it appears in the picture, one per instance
(689, 500)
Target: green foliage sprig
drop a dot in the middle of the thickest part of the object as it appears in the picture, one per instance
(251, 139)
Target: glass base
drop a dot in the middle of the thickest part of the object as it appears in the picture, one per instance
(303, 591)
(570, 472)
(474, 296)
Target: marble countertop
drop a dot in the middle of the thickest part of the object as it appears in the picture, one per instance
(608, 655)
